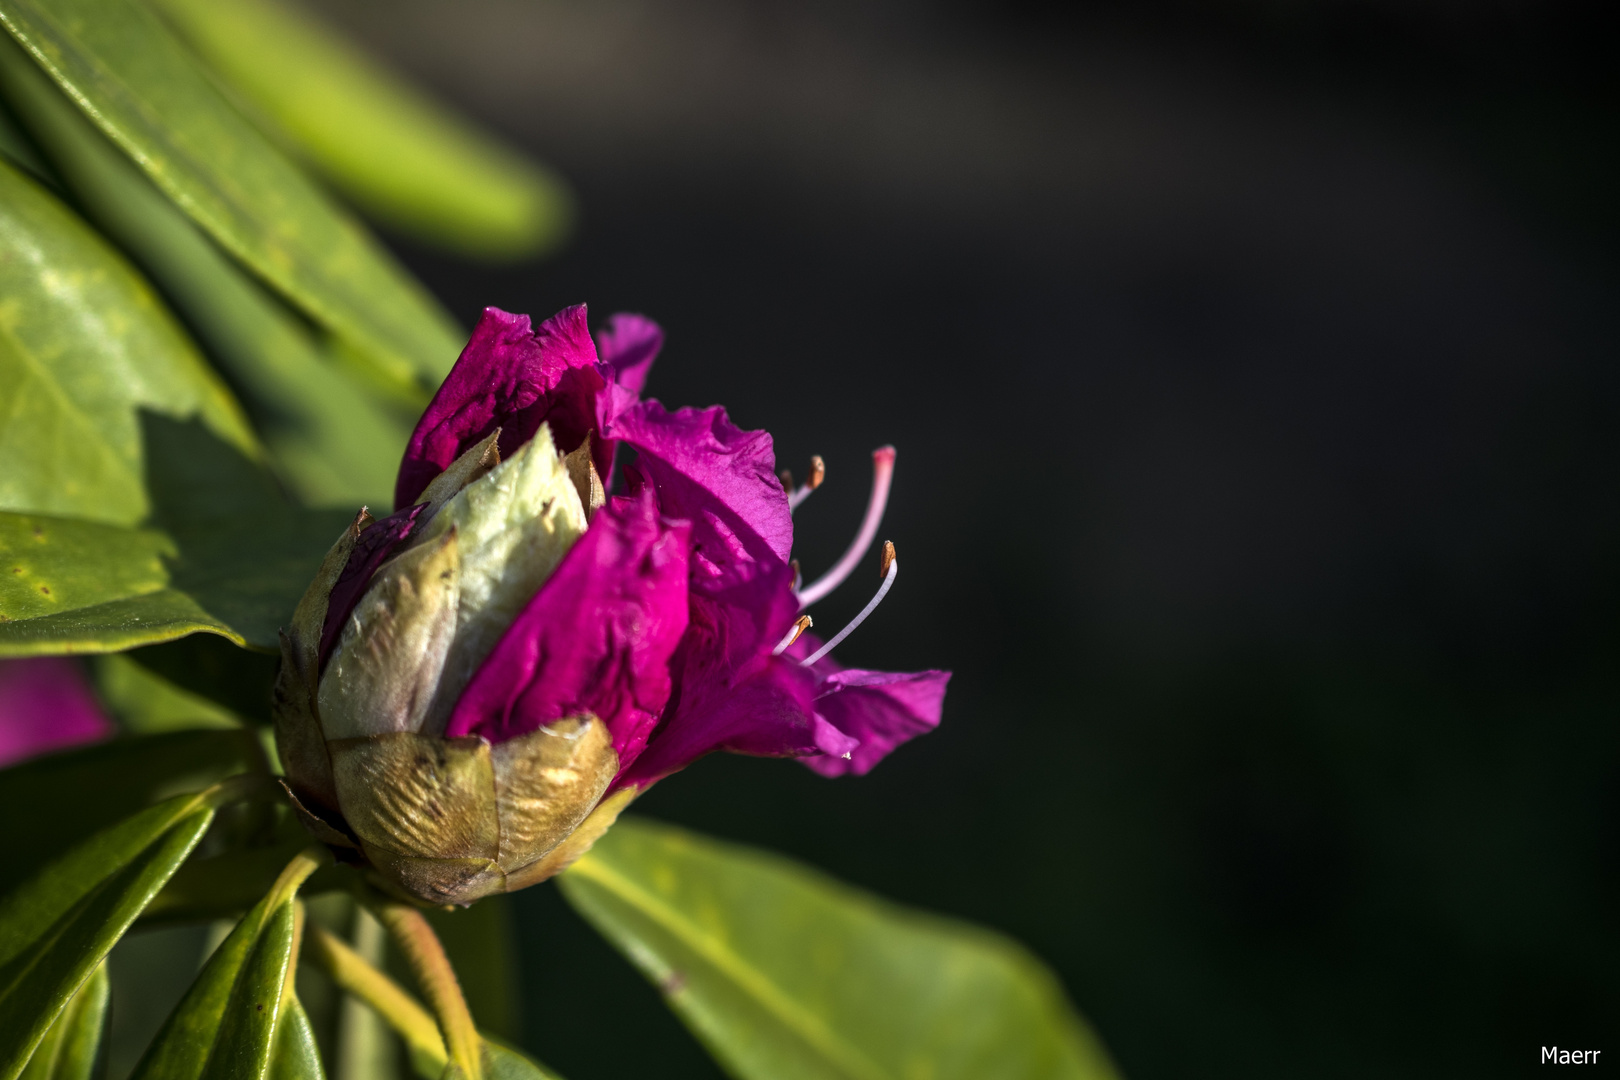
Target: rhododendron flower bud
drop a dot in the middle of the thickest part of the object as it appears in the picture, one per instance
(474, 686)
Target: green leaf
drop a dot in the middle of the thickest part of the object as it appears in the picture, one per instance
(786, 974)
(145, 703)
(60, 924)
(233, 560)
(68, 1050)
(136, 82)
(501, 1062)
(77, 586)
(227, 1025)
(126, 775)
(213, 669)
(399, 156)
(297, 1057)
(85, 345)
(333, 440)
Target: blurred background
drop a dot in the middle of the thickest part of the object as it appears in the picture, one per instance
(1252, 368)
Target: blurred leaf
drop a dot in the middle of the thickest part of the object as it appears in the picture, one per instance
(147, 704)
(224, 886)
(399, 156)
(213, 669)
(84, 344)
(130, 76)
(60, 924)
(297, 1057)
(335, 442)
(126, 775)
(68, 1050)
(17, 148)
(481, 939)
(784, 973)
(226, 1026)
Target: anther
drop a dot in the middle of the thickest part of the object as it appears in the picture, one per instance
(800, 625)
(798, 575)
(797, 495)
(891, 570)
(882, 473)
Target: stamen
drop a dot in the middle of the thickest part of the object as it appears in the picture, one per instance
(800, 625)
(818, 472)
(882, 473)
(891, 570)
(798, 575)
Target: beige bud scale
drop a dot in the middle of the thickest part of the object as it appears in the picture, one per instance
(446, 820)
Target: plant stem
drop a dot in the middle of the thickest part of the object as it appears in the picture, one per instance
(350, 971)
(437, 979)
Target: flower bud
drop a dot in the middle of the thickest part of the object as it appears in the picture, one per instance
(473, 687)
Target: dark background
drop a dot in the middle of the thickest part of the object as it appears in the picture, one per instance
(1252, 368)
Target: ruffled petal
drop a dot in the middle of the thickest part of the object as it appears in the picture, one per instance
(629, 344)
(46, 704)
(720, 478)
(514, 378)
(877, 711)
(597, 638)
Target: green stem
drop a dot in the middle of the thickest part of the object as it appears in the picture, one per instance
(437, 978)
(350, 971)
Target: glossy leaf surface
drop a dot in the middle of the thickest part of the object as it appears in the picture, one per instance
(333, 439)
(786, 974)
(60, 924)
(297, 1056)
(68, 1050)
(232, 558)
(399, 156)
(129, 75)
(127, 775)
(228, 1023)
(85, 345)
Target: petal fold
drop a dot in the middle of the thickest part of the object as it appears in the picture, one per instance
(513, 377)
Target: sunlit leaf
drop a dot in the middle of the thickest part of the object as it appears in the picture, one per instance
(233, 558)
(57, 926)
(126, 775)
(129, 75)
(77, 586)
(68, 1050)
(786, 974)
(85, 345)
(334, 441)
(396, 154)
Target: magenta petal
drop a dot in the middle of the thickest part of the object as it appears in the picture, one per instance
(720, 478)
(376, 544)
(877, 710)
(597, 638)
(629, 344)
(510, 377)
(46, 704)
(767, 714)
